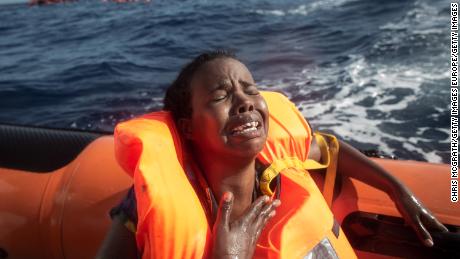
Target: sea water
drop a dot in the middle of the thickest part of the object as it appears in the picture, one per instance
(375, 73)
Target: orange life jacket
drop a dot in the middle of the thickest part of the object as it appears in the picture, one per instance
(172, 219)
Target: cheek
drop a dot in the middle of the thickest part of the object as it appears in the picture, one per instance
(263, 109)
(208, 125)
(263, 105)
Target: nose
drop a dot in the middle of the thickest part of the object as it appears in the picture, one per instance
(242, 103)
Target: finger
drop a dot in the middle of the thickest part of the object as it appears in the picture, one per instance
(422, 233)
(263, 222)
(433, 223)
(438, 225)
(225, 210)
(267, 209)
(255, 209)
(267, 212)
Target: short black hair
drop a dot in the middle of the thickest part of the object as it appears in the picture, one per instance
(178, 95)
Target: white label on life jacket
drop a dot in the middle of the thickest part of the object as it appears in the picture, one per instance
(323, 250)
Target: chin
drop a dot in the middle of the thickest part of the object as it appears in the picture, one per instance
(251, 148)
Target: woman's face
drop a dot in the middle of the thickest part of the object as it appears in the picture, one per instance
(229, 115)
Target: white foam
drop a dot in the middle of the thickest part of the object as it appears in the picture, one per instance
(432, 157)
(342, 115)
(422, 20)
(305, 9)
(271, 12)
(361, 78)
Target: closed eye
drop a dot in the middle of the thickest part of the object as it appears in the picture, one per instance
(252, 90)
(219, 95)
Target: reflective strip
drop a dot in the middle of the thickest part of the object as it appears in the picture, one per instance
(323, 250)
(336, 228)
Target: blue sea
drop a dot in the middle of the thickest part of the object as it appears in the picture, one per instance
(375, 73)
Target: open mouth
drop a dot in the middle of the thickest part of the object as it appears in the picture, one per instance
(247, 128)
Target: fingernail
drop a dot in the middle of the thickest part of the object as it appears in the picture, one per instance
(428, 242)
(227, 196)
(272, 214)
(266, 198)
(276, 203)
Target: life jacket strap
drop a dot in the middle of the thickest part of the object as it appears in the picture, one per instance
(329, 146)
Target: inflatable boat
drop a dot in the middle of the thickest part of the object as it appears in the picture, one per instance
(57, 186)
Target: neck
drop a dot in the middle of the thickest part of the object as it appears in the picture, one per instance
(236, 175)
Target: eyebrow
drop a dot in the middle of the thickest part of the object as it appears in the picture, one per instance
(220, 85)
(224, 83)
(246, 83)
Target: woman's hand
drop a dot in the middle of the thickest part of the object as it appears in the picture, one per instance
(238, 239)
(417, 215)
(354, 164)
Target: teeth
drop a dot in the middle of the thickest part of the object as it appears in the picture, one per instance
(239, 128)
(248, 127)
(249, 130)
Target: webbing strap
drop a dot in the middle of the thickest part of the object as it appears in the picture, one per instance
(329, 147)
(331, 172)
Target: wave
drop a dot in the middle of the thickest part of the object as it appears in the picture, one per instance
(373, 73)
(305, 9)
(374, 105)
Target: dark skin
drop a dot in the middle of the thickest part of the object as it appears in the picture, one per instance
(238, 238)
(225, 96)
(354, 164)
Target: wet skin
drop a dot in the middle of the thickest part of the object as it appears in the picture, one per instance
(223, 90)
(224, 97)
(227, 129)
(238, 238)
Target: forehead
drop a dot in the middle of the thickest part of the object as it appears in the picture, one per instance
(221, 69)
